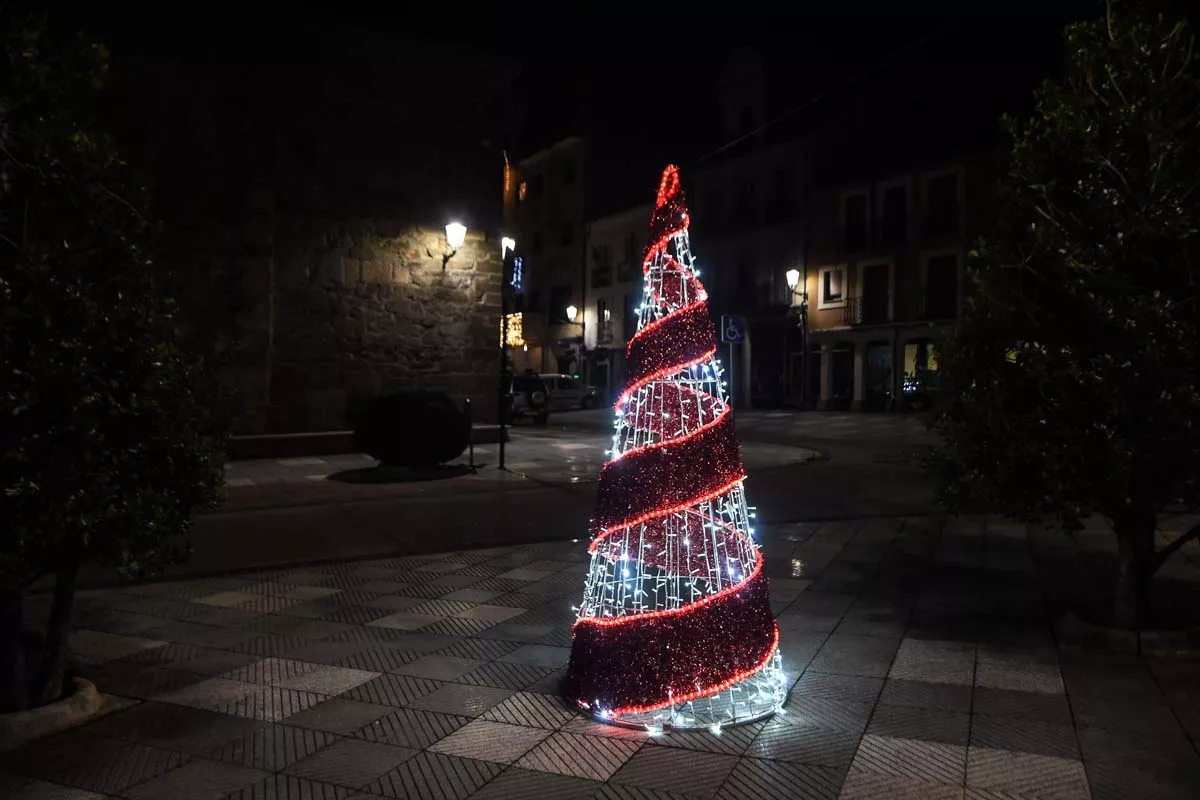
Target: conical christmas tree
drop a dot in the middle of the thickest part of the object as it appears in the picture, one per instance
(675, 628)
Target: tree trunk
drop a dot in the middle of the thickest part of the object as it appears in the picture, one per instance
(1135, 574)
(50, 677)
(14, 685)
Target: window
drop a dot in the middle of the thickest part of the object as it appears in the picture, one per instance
(604, 333)
(854, 223)
(536, 248)
(746, 278)
(874, 292)
(568, 234)
(630, 323)
(832, 287)
(746, 121)
(535, 185)
(779, 206)
(941, 205)
(941, 286)
(568, 172)
(522, 188)
(712, 211)
(566, 382)
(601, 266)
(745, 214)
(560, 298)
(893, 216)
(629, 268)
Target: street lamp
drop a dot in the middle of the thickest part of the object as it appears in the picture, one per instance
(456, 234)
(572, 312)
(797, 311)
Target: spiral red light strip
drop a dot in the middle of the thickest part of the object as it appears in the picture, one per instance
(681, 458)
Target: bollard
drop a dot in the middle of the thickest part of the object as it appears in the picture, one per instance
(470, 437)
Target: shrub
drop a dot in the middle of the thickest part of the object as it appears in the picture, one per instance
(415, 428)
(1070, 387)
(111, 440)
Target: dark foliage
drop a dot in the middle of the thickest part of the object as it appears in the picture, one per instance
(109, 439)
(1070, 388)
(416, 428)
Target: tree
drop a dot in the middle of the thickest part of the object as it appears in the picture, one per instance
(109, 435)
(1070, 386)
(676, 625)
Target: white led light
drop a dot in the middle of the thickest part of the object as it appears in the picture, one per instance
(678, 558)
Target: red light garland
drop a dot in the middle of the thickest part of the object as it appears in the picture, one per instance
(671, 612)
(655, 631)
(684, 438)
(660, 374)
(708, 690)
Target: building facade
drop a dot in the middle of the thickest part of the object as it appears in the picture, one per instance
(547, 211)
(311, 208)
(885, 280)
(615, 247)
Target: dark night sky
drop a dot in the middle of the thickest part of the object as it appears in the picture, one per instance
(627, 74)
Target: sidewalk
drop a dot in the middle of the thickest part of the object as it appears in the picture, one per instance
(922, 654)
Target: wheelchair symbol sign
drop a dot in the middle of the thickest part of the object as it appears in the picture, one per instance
(733, 328)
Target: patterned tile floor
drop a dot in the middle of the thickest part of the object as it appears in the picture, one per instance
(922, 655)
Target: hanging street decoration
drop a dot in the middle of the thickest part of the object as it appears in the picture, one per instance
(675, 628)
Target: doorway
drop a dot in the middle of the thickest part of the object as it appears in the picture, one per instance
(875, 300)
(841, 392)
(878, 387)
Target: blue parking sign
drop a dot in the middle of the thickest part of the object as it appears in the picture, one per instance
(733, 328)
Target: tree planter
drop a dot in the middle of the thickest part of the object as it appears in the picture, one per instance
(1075, 632)
(19, 727)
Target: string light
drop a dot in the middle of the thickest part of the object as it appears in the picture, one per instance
(680, 633)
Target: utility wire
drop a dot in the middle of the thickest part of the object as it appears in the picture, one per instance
(852, 80)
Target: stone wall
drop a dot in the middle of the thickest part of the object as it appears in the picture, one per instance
(367, 309)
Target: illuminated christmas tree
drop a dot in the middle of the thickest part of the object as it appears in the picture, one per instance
(675, 628)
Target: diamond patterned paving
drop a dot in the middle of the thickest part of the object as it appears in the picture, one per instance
(350, 762)
(198, 780)
(676, 770)
(532, 709)
(435, 776)
(753, 779)
(409, 727)
(491, 741)
(582, 756)
(439, 676)
(1026, 774)
(927, 762)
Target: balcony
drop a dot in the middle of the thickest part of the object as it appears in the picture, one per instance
(936, 305)
(867, 310)
(604, 333)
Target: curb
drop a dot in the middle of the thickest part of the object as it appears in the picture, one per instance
(19, 727)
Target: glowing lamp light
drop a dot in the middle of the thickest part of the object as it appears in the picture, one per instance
(507, 243)
(456, 234)
(793, 279)
(572, 313)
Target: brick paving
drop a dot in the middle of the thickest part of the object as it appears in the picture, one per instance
(922, 655)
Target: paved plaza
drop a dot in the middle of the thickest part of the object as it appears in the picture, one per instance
(547, 455)
(922, 654)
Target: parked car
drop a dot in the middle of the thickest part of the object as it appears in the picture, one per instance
(567, 391)
(530, 398)
(920, 389)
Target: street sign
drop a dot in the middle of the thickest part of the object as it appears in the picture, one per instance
(733, 328)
